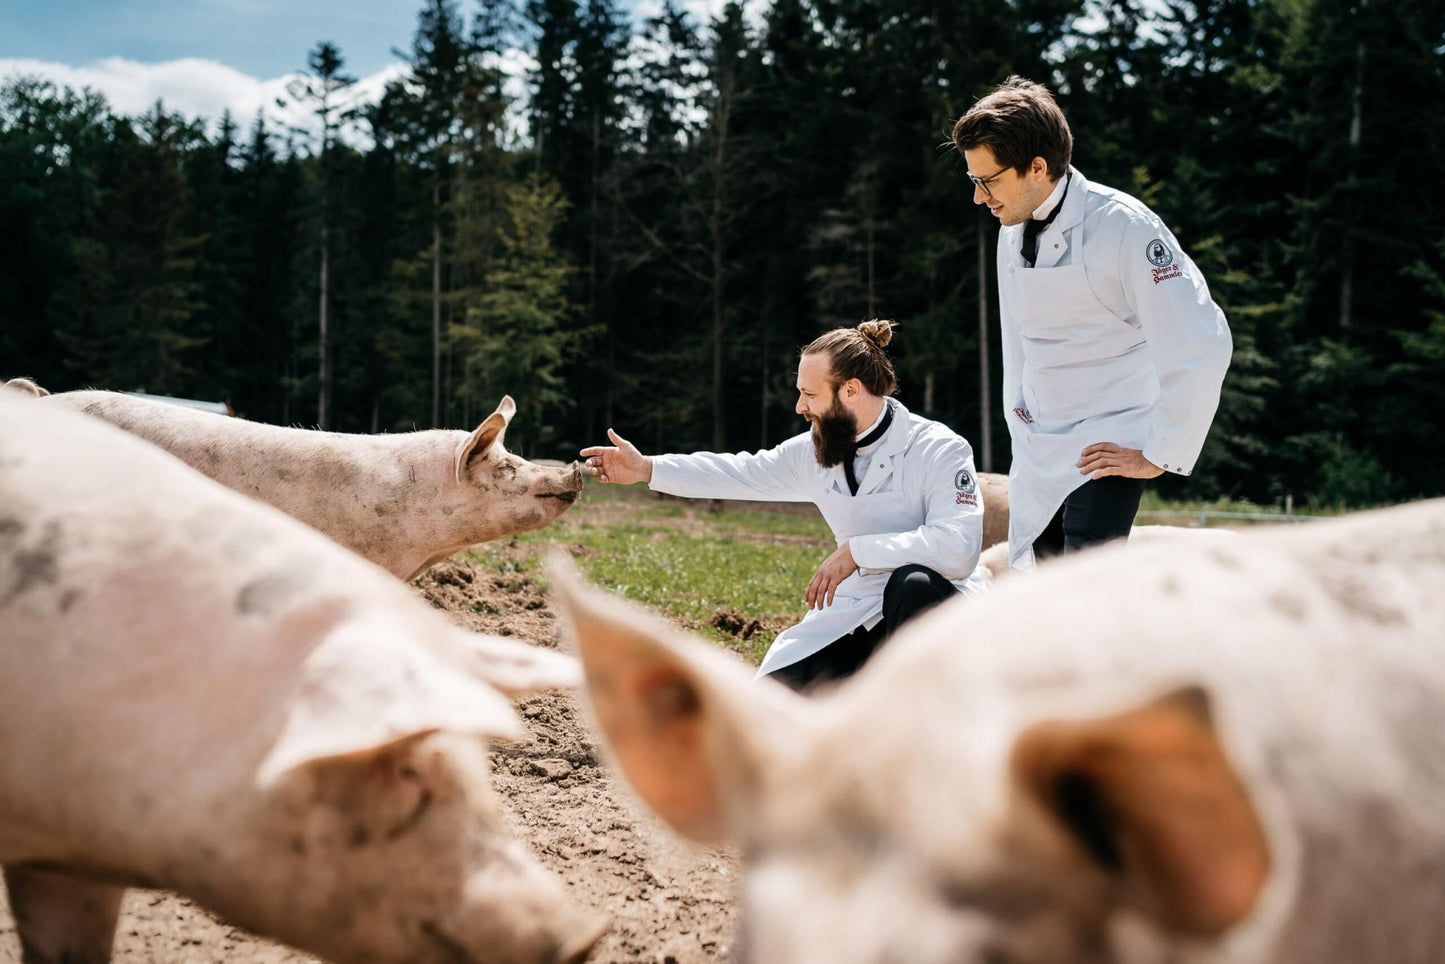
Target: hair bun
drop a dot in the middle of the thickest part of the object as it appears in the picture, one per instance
(877, 331)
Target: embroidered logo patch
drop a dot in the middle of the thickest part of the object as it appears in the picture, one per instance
(964, 482)
(1023, 413)
(1158, 253)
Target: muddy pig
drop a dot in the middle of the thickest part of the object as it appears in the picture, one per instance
(404, 501)
(1206, 750)
(200, 694)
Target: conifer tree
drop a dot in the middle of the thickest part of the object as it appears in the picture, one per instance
(324, 88)
(516, 340)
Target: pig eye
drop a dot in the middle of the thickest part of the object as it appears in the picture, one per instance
(407, 774)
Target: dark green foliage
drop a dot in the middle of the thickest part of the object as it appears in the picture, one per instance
(683, 207)
(134, 319)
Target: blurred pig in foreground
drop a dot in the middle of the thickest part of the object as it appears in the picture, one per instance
(200, 694)
(403, 501)
(1197, 751)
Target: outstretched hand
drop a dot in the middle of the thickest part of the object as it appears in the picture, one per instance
(1106, 458)
(834, 570)
(619, 463)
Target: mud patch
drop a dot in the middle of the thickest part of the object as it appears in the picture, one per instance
(737, 624)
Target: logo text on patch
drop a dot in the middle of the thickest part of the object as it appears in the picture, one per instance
(1165, 274)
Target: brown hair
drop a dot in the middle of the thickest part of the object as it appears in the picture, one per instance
(1018, 120)
(858, 353)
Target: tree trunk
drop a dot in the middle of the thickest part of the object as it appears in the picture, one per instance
(719, 316)
(447, 368)
(1347, 267)
(985, 392)
(872, 298)
(763, 402)
(323, 375)
(436, 305)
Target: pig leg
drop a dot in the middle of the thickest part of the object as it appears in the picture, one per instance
(61, 917)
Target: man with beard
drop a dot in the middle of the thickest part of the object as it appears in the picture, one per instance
(898, 491)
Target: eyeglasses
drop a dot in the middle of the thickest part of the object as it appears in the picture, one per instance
(982, 182)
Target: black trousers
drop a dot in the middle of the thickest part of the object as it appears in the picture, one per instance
(911, 590)
(1095, 512)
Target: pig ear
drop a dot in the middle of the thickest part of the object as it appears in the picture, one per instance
(489, 433)
(684, 722)
(517, 668)
(367, 688)
(1151, 797)
(27, 386)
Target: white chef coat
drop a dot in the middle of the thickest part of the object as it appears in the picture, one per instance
(918, 502)
(1111, 337)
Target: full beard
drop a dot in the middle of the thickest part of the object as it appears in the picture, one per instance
(835, 435)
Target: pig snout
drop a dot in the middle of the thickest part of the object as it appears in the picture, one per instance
(585, 937)
(571, 947)
(520, 915)
(565, 484)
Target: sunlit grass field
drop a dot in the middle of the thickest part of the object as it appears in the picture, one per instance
(694, 559)
(690, 559)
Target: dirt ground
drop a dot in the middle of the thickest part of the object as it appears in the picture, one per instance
(669, 903)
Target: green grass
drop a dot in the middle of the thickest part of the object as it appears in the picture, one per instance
(686, 559)
(692, 558)
(1220, 512)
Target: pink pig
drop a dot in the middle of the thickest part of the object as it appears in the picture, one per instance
(403, 501)
(1196, 751)
(200, 694)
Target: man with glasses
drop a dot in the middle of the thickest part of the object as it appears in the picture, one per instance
(1113, 350)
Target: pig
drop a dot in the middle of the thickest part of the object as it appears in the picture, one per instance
(27, 386)
(1219, 751)
(994, 490)
(994, 560)
(403, 501)
(200, 694)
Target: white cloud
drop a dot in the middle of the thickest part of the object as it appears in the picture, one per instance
(190, 86)
(701, 11)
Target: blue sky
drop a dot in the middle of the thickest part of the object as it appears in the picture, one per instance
(203, 56)
(261, 38)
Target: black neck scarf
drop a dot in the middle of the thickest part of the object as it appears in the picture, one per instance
(863, 443)
(1033, 227)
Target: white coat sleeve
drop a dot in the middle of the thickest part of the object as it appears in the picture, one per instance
(772, 475)
(951, 536)
(1009, 341)
(1188, 340)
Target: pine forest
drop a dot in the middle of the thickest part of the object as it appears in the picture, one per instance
(638, 224)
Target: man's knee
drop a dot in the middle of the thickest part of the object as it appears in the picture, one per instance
(910, 580)
(911, 590)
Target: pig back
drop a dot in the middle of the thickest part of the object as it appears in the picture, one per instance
(136, 594)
